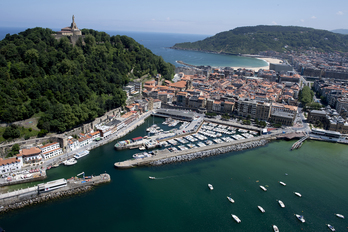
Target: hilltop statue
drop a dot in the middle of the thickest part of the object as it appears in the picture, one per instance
(73, 18)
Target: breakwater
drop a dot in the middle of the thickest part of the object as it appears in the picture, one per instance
(31, 196)
(207, 153)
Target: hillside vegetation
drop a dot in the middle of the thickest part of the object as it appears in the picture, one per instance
(252, 40)
(68, 84)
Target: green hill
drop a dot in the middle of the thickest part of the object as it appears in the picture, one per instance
(69, 85)
(252, 40)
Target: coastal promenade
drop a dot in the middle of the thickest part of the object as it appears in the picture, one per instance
(165, 154)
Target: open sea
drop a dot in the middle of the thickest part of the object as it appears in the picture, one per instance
(179, 198)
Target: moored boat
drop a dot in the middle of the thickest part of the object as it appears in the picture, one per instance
(230, 199)
(298, 194)
(70, 162)
(210, 186)
(236, 218)
(261, 209)
(275, 228)
(300, 217)
(281, 204)
(339, 215)
(81, 154)
(263, 188)
(331, 227)
(282, 183)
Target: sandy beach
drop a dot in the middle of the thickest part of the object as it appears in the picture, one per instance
(267, 59)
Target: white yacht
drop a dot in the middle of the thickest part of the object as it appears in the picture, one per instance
(298, 194)
(275, 228)
(230, 199)
(261, 209)
(339, 215)
(152, 177)
(236, 218)
(142, 148)
(70, 162)
(81, 154)
(300, 217)
(263, 188)
(281, 204)
(210, 186)
(282, 183)
(331, 227)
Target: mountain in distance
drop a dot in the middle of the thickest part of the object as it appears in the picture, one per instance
(255, 39)
(341, 31)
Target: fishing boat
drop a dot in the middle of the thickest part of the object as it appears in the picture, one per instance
(236, 218)
(300, 217)
(331, 227)
(210, 186)
(275, 228)
(281, 204)
(230, 199)
(282, 183)
(261, 209)
(339, 215)
(263, 188)
(298, 194)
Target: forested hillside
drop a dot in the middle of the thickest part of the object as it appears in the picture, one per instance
(67, 84)
(252, 40)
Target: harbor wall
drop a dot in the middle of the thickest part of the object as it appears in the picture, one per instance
(30, 196)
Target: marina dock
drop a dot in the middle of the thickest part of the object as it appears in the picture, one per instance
(164, 156)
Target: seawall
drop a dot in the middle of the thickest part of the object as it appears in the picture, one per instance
(30, 196)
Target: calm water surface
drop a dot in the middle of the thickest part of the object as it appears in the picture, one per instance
(179, 199)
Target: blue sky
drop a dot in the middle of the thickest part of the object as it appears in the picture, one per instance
(179, 16)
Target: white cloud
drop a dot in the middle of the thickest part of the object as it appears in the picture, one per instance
(339, 13)
(313, 17)
(274, 23)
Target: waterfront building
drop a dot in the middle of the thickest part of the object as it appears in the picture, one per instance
(283, 118)
(30, 155)
(11, 164)
(51, 150)
(316, 115)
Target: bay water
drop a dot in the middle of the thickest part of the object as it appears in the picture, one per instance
(180, 200)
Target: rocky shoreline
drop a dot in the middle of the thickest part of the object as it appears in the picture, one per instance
(213, 152)
(43, 198)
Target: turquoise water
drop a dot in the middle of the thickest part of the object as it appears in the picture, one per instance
(159, 44)
(179, 199)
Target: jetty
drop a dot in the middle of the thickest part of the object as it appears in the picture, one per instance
(160, 157)
(50, 190)
(298, 144)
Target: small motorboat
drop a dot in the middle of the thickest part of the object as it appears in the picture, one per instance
(152, 177)
(230, 199)
(298, 194)
(236, 218)
(281, 204)
(263, 188)
(331, 227)
(210, 186)
(70, 162)
(282, 183)
(300, 217)
(275, 228)
(261, 209)
(339, 215)
(142, 148)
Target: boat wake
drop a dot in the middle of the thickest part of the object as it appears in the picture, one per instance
(162, 178)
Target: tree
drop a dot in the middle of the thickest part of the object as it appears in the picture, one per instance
(14, 150)
(11, 132)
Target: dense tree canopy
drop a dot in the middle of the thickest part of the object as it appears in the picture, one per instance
(252, 40)
(306, 95)
(69, 84)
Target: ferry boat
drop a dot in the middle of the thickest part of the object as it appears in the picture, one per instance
(300, 217)
(339, 215)
(281, 204)
(236, 218)
(261, 209)
(81, 154)
(298, 194)
(210, 186)
(263, 188)
(275, 228)
(70, 162)
(331, 227)
(282, 183)
(230, 199)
